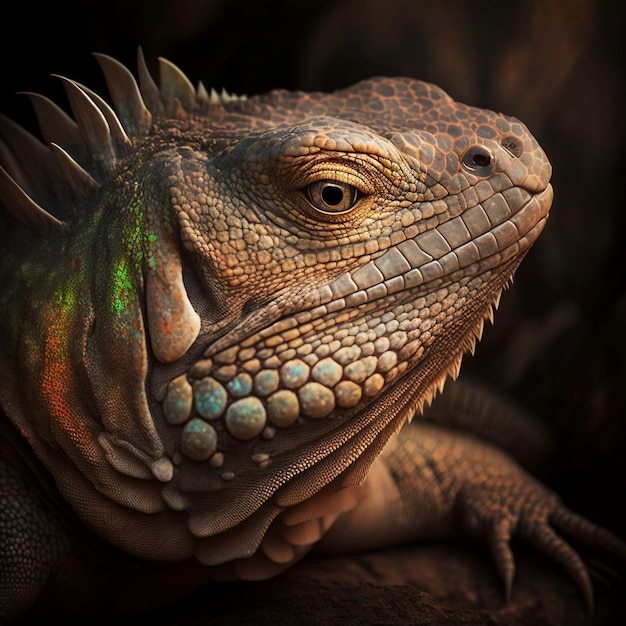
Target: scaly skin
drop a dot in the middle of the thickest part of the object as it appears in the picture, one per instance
(215, 314)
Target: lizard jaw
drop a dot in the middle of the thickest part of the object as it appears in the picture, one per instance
(233, 406)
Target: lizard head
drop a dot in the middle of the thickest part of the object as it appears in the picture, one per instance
(237, 301)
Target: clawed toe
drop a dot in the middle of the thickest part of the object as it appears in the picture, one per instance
(545, 539)
(538, 516)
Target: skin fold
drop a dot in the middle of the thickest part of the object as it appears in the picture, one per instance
(222, 320)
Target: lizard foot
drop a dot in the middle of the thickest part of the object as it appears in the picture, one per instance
(515, 504)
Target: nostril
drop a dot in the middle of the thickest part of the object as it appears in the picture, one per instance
(478, 160)
(513, 146)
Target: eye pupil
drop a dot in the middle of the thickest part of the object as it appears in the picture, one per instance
(332, 195)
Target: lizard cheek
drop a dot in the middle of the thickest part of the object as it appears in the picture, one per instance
(217, 405)
(172, 321)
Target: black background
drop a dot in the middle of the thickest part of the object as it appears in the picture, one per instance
(559, 343)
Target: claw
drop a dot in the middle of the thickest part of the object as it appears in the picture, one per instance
(584, 531)
(499, 540)
(546, 540)
(602, 572)
(580, 529)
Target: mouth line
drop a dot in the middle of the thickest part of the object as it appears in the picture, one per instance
(227, 408)
(367, 284)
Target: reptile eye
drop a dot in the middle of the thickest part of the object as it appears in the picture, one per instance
(478, 160)
(332, 197)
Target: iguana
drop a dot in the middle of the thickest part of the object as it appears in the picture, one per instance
(217, 313)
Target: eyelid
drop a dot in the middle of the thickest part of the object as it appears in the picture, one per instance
(340, 170)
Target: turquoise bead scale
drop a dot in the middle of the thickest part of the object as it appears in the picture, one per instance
(300, 371)
(253, 403)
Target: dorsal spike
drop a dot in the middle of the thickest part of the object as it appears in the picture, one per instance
(32, 166)
(80, 182)
(230, 97)
(28, 154)
(92, 123)
(127, 98)
(118, 133)
(56, 125)
(214, 97)
(174, 84)
(201, 92)
(148, 87)
(23, 208)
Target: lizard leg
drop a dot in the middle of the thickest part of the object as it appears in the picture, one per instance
(42, 563)
(432, 483)
(30, 542)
